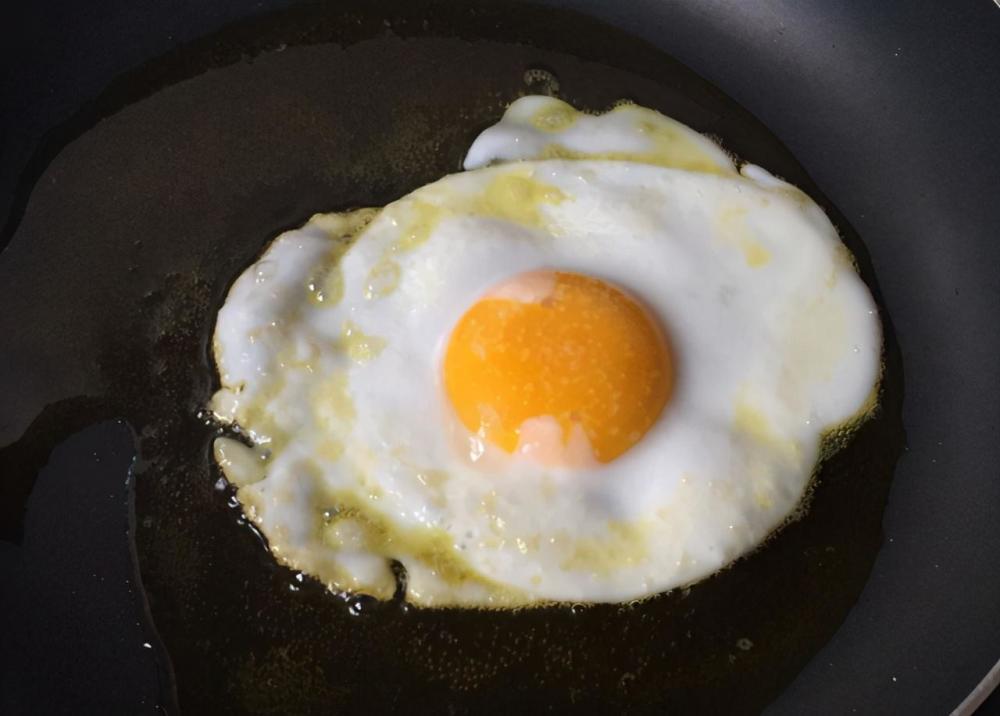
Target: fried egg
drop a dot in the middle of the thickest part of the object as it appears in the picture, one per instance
(601, 363)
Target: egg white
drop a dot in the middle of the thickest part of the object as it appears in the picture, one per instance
(358, 459)
(537, 127)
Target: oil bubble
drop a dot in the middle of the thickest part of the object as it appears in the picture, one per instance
(541, 81)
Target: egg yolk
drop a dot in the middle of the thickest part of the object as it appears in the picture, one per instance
(560, 366)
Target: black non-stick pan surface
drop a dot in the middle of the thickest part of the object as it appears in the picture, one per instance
(149, 152)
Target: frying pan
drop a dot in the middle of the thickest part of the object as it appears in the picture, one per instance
(110, 606)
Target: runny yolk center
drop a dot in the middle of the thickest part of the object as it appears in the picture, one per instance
(559, 366)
